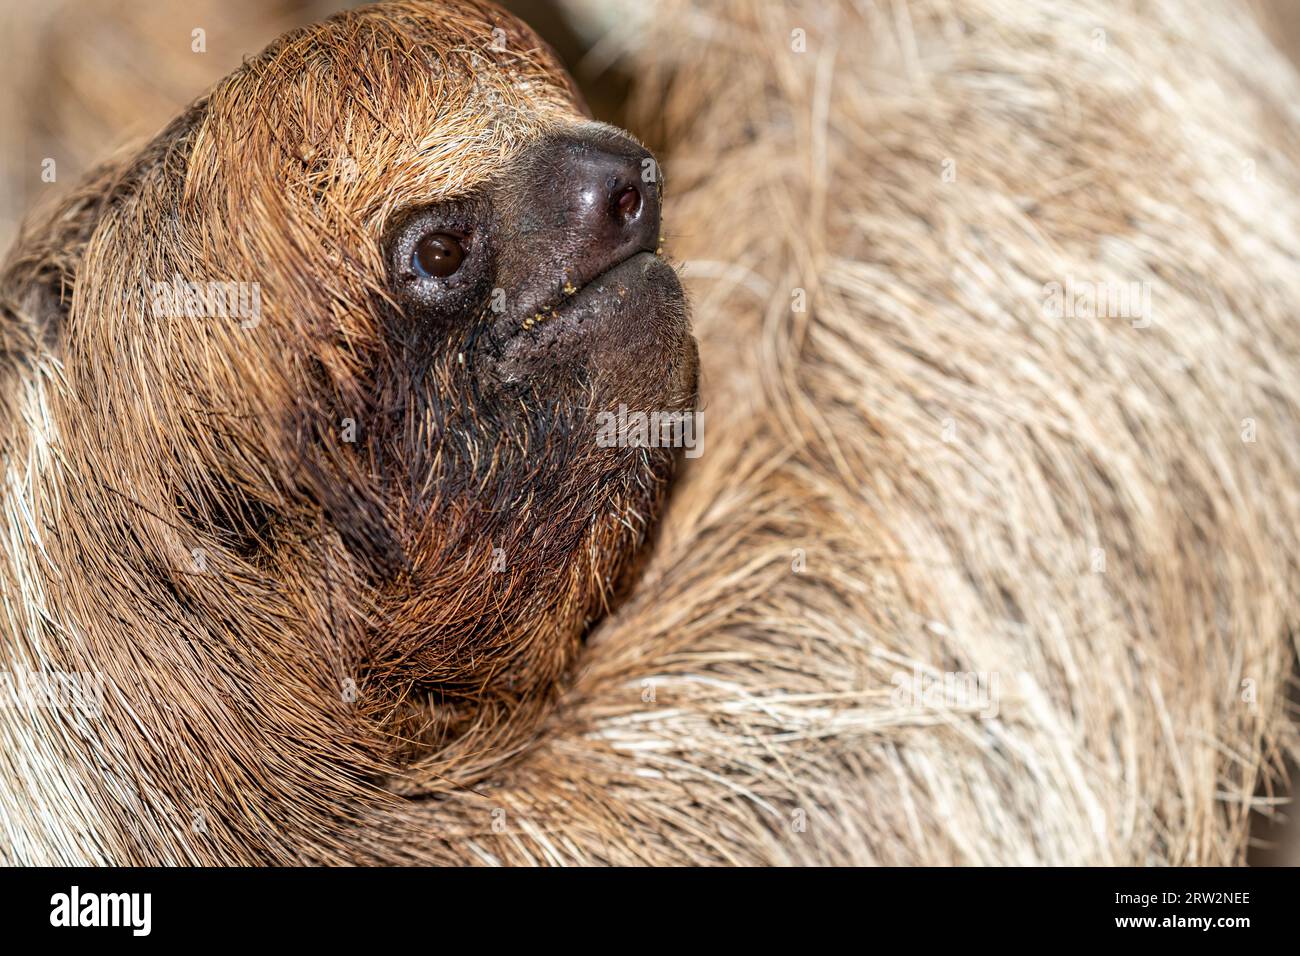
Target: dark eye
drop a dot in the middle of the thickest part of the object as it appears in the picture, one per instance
(438, 255)
(440, 259)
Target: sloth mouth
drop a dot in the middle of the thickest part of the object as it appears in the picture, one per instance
(573, 307)
(625, 328)
(627, 325)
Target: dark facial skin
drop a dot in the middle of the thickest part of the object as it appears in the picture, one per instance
(568, 245)
(526, 310)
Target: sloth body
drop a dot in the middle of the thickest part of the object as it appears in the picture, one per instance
(917, 470)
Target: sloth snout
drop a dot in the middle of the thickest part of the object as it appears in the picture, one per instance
(580, 202)
(614, 211)
(603, 194)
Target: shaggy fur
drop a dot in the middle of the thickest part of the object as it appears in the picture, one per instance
(926, 468)
(324, 546)
(952, 459)
(82, 77)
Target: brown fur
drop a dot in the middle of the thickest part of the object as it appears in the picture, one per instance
(946, 458)
(286, 617)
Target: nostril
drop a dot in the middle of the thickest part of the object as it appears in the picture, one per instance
(627, 203)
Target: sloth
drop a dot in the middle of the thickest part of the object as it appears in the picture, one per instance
(344, 540)
(321, 555)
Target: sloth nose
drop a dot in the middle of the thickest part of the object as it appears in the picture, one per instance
(611, 194)
(577, 203)
(606, 193)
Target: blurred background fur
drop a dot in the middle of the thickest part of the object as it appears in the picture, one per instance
(920, 470)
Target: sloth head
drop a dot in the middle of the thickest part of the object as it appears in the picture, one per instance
(336, 355)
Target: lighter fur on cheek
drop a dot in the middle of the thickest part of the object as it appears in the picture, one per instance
(47, 809)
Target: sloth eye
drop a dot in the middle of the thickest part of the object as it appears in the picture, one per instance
(438, 255)
(440, 260)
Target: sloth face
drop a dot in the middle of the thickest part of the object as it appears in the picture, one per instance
(395, 471)
(541, 299)
(524, 312)
(551, 273)
(519, 305)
